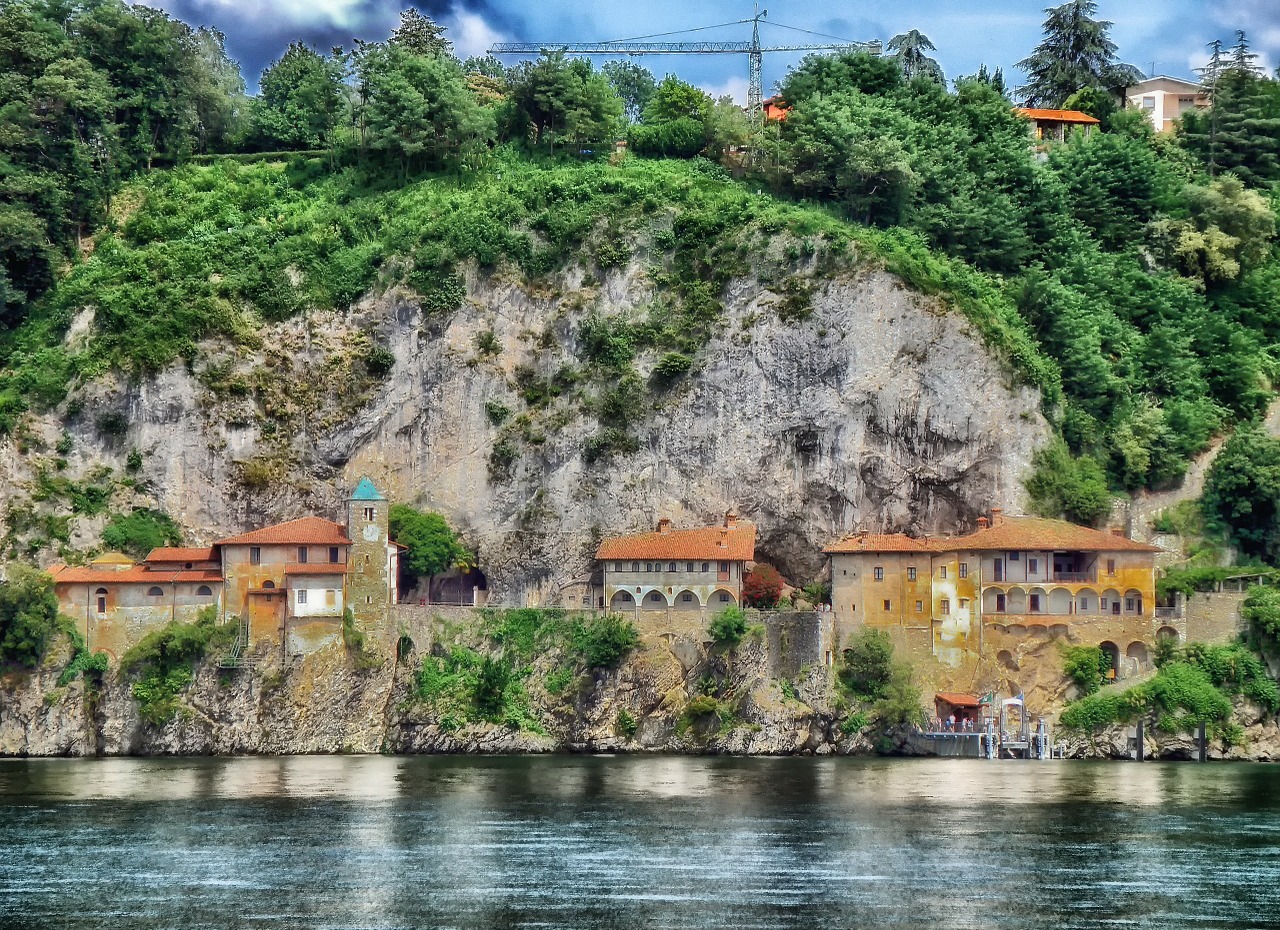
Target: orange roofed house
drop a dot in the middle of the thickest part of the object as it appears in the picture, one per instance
(1057, 125)
(671, 569)
(286, 575)
(981, 593)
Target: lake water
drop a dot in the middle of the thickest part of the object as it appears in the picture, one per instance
(634, 842)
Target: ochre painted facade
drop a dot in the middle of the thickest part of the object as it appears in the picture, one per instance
(291, 582)
(967, 609)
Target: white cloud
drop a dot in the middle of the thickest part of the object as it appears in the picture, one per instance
(344, 14)
(470, 34)
(735, 87)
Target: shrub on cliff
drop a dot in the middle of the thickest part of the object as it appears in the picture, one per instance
(728, 627)
(431, 545)
(601, 642)
(867, 665)
(164, 659)
(28, 616)
(762, 586)
(1084, 665)
(140, 531)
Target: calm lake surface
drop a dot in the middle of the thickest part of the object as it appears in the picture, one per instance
(627, 842)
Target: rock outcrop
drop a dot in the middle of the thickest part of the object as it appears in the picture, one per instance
(878, 409)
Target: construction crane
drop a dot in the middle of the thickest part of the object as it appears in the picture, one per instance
(642, 45)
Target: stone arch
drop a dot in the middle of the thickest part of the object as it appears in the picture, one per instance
(1138, 654)
(1111, 657)
(687, 600)
(722, 598)
(1016, 600)
(1133, 594)
(204, 591)
(622, 600)
(1168, 632)
(1040, 598)
(1060, 601)
(1086, 601)
(990, 602)
(155, 591)
(654, 600)
(1110, 601)
(268, 586)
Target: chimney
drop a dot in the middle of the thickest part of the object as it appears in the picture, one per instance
(997, 516)
(983, 523)
(730, 519)
(1116, 531)
(664, 525)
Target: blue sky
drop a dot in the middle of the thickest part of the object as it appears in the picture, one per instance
(1168, 34)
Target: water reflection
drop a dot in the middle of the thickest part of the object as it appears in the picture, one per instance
(599, 842)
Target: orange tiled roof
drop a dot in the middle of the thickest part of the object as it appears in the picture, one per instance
(1016, 533)
(179, 554)
(1056, 116)
(958, 700)
(883, 542)
(705, 543)
(137, 575)
(308, 531)
(317, 568)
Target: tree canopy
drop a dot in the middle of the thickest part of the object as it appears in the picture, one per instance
(1076, 52)
(431, 546)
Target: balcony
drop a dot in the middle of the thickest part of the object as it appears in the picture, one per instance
(1089, 577)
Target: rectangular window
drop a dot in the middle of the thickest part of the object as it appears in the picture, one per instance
(686, 597)
(302, 595)
(964, 603)
(1033, 566)
(1148, 103)
(302, 555)
(330, 598)
(878, 573)
(964, 569)
(1014, 556)
(334, 555)
(1001, 600)
(1129, 604)
(370, 514)
(944, 606)
(919, 607)
(255, 555)
(911, 574)
(888, 605)
(724, 598)
(942, 572)
(1084, 605)
(1035, 603)
(1111, 566)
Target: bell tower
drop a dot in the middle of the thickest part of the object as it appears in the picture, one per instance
(370, 585)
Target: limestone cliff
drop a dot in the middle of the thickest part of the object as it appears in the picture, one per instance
(875, 408)
(332, 702)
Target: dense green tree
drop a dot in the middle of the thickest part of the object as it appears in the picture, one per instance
(1116, 184)
(28, 615)
(1228, 230)
(559, 100)
(419, 34)
(1240, 132)
(420, 110)
(676, 123)
(634, 85)
(488, 66)
(300, 102)
(1076, 52)
(910, 50)
(431, 546)
(839, 74)
(140, 531)
(1242, 493)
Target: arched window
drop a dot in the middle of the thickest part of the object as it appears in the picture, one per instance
(204, 591)
(155, 592)
(268, 585)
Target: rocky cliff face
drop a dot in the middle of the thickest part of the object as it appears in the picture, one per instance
(878, 409)
(330, 703)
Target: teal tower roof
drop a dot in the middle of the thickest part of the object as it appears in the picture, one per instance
(365, 491)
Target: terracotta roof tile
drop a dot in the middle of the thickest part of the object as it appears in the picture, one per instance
(137, 575)
(317, 568)
(179, 554)
(1058, 116)
(705, 543)
(308, 531)
(958, 700)
(1017, 533)
(883, 542)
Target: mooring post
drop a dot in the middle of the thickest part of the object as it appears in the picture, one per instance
(1202, 740)
(1140, 747)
